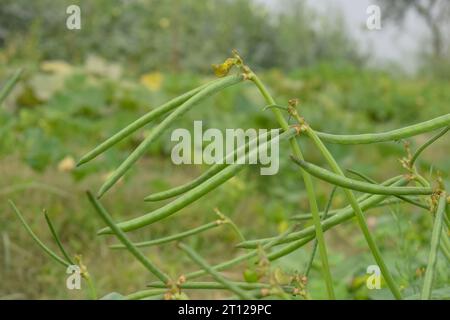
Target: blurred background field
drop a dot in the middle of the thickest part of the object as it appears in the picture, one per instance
(80, 87)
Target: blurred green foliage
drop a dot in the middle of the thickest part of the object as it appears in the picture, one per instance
(59, 109)
(175, 35)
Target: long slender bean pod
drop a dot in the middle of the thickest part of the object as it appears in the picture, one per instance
(125, 241)
(214, 169)
(174, 237)
(406, 199)
(215, 274)
(295, 147)
(296, 244)
(57, 240)
(339, 217)
(161, 127)
(145, 294)
(191, 285)
(432, 258)
(397, 134)
(195, 193)
(427, 144)
(241, 258)
(139, 123)
(47, 250)
(362, 186)
(360, 199)
(308, 216)
(290, 247)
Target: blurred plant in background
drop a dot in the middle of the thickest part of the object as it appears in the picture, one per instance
(175, 35)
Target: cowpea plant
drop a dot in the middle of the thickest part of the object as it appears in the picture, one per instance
(266, 250)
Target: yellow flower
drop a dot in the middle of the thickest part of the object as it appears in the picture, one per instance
(56, 66)
(221, 70)
(282, 226)
(164, 23)
(152, 80)
(67, 164)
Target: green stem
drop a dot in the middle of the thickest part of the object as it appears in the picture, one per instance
(91, 288)
(308, 185)
(426, 145)
(58, 241)
(49, 251)
(323, 217)
(231, 223)
(145, 294)
(358, 214)
(173, 237)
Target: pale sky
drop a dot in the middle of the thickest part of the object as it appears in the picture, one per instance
(391, 43)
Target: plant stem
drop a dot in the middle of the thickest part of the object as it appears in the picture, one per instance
(308, 185)
(49, 251)
(58, 241)
(145, 294)
(230, 222)
(91, 288)
(323, 217)
(358, 214)
(426, 145)
(173, 237)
